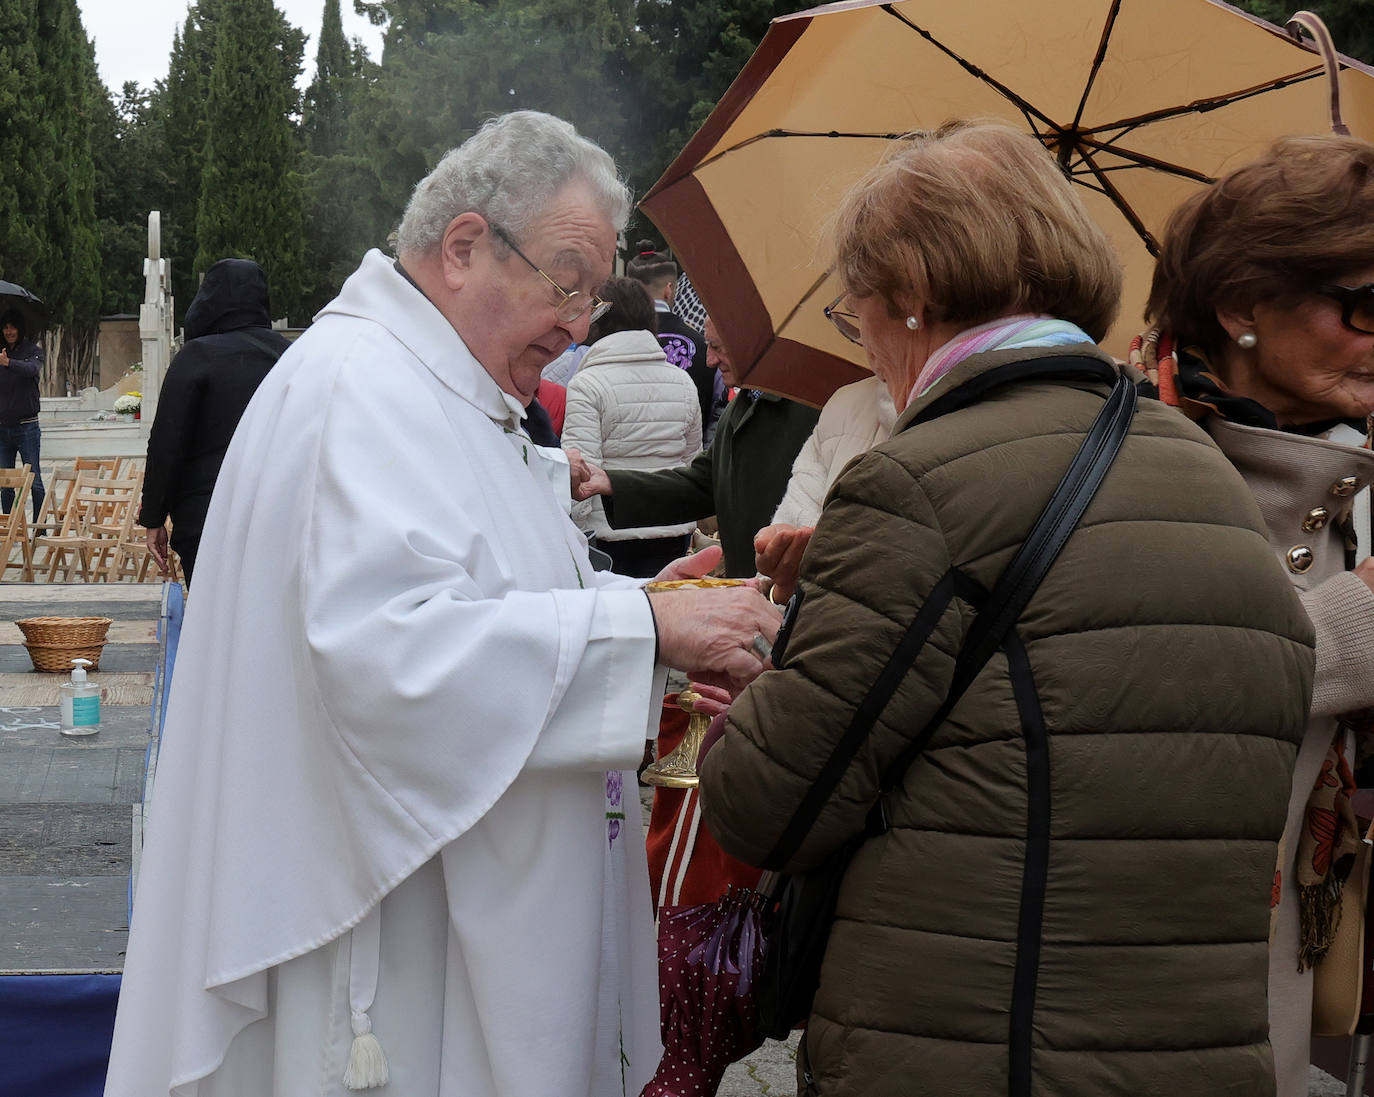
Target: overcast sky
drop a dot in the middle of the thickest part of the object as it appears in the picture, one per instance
(133, 38)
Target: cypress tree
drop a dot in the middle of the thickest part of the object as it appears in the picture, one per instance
(66, 62)
(250, 189)
(22, 205)
(344, 213)
(324, 120)
(69, 266)
(180, 110)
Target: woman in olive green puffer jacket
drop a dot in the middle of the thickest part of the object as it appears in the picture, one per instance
(1071, 899)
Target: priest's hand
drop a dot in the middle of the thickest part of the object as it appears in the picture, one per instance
(718, 635)
(778, 553)
(587, 479)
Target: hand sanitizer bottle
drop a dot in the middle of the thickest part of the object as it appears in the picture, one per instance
(80, 701)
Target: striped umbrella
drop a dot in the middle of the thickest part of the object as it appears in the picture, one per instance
(1141, 101)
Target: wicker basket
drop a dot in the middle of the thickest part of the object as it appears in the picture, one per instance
(53, 642)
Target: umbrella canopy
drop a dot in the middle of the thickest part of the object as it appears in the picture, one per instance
(17, 298)
(1142, 101)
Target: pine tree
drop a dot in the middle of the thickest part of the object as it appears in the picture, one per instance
(689, 53)
(250, 185)
(129, 147)
(469, 60)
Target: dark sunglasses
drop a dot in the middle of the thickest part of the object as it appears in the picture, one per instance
(1357, 305)
(846, 323)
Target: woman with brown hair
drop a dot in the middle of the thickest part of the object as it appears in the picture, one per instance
(1066, 891)
(1264, 298)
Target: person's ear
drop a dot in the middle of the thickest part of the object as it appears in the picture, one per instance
(458, 246)
(1236, 321)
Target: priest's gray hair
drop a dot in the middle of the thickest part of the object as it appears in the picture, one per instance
(509, 171)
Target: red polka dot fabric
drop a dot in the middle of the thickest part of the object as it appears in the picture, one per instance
(708, 958)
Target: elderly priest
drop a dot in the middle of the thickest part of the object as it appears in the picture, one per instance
(391, 842)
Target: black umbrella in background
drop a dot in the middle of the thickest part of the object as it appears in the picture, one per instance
(14, 297)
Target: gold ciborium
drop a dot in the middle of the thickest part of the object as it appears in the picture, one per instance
(678, 768)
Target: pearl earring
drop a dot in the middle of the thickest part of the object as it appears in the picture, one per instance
(912, 323)
(1246, 340)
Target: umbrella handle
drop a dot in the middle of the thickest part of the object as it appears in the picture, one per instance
(1312, 23)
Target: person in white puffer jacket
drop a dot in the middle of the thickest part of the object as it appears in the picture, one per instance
(854, 420)
(629, 408)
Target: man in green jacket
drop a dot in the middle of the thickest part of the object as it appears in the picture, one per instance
(740, 477)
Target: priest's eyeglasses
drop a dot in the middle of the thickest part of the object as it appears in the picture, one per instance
(1357, 305)
(846, 323)
(575, 304)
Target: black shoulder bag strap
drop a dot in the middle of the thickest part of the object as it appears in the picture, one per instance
(998, 615)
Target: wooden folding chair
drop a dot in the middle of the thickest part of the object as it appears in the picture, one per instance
(95, 507)
(129, 557)
(104, 467)
(14, 528)
(128, 467)
(110, 521)
(59, 486)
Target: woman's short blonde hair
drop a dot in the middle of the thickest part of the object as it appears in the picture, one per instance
(1269, 232)
(977, 221)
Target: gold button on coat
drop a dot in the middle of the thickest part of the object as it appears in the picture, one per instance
(1345, 487)
(1316, 519)
(1300, 558)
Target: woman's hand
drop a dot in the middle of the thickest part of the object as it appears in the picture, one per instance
(778, 552)
(1365, 570)
(714, 699)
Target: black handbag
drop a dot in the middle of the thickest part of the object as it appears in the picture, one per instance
(799, 928)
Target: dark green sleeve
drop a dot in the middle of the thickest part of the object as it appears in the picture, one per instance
(665, 497)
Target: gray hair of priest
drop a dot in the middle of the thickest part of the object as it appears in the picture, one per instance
(508, 172)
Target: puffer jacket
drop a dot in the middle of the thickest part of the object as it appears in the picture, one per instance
(1144, 791)
(628, 408)
(854, 420)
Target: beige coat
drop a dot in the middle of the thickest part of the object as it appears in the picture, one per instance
(1305, 488)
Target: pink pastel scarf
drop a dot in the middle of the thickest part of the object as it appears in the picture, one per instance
(1009, 333)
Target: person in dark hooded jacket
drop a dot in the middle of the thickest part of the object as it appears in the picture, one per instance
(21, 361)
(229, 349)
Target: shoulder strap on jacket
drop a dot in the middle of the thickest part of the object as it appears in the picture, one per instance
(998, 615)
(1032, 561)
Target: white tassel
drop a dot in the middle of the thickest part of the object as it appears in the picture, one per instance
(367, 1067)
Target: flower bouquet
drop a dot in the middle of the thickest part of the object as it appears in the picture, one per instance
(129, 404)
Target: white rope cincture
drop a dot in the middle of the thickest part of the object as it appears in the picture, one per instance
(367, 1067)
